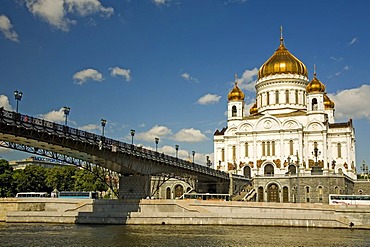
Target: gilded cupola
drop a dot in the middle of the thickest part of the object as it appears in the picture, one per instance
(328, 103)
(253, 109)
(236, 94)
(282, 62)
(315, 86)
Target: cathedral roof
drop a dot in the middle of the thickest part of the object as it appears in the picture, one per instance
(315, 86)
(235, 94)
(253, 109)
(282, 62)
(328, 103)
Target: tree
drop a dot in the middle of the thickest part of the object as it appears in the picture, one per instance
(32, 178)
(61, 178)
(6, 179)
(90, 181)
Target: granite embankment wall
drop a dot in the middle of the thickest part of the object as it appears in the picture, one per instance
(189, 212)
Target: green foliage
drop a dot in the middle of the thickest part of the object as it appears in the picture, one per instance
(61, 178)
(32, 178)
(6, 179)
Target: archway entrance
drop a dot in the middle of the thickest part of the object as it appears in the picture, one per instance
(273, 193)
(247, 172)
(179, 191)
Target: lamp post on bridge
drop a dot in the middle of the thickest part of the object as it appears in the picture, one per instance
(193, 152)
(156, 143)
(66, 111)
(132, 131)
(18, 97)
(103, 123)
(177, 150)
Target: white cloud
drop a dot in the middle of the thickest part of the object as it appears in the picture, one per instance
(90, 127)
(337, 59)
(54, 116)
(234, 1)
(353, 41)
(248, 80)
(209, 99)
(161, 2)
(54, 11)
(7, 29)
(4, 102)
(189, 135)
(84, 75)
(347, 67)
(352, 103)
(188, 77)
(156, 131)
(125, 73)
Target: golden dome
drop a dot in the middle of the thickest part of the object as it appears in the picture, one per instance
(328, 103)
(315, 86)
(282, 62)
(254, 109)
(235, 94)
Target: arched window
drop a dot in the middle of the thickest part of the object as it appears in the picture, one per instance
(223, 155)
(269, 170)
(336, 190)
(277, 97)
(233, 111)
(247, 172)
(320, 192)
(263, 149)
(339, 150)
(267, 98)
(260, 194)
(285, 194)
(246, 149)
(291, 147)
(307, 194)
(292, 169)
(287, 96)
(179, 191)
(168, 193)
(234, 152)
(268, 148)
(273, 148)
(314, 104)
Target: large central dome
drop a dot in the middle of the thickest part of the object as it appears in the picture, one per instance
(282, 62)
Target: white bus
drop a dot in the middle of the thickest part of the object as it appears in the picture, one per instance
(349, 199)
(206, 196)
(32, 194)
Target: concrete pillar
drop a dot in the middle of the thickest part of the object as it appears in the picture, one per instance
(134, 187)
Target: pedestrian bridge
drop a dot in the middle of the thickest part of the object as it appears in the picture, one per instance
(135, 165)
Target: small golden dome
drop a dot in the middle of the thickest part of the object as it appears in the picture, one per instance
(282, 62)
(254, 109)
(315, 86)
(328, 103)
(235, 94)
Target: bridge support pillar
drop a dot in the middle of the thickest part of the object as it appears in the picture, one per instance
(134, 187)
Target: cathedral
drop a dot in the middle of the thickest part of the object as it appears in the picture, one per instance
(288, 142)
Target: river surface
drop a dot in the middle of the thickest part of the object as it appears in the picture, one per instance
(19, 234)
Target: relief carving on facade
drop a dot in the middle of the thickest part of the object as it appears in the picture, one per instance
(345, 165)
(251, 164)
(320, 163)
(259, 163)
(277, 163)
(241, 164)
(311, 163)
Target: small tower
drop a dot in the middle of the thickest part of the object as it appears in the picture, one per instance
(235, 103)
(315, 95)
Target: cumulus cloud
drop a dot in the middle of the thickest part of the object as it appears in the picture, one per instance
(156, 131)
(248, 80)
(90, 127)
(347, 67)
(188, 77)
(352, 103)
(4, 102)
(84, 75)
(125, 73)
(209, 99)
(161, 2)
(55, 12)
(353, 41)
(189, 135)
(54, 116)
(7, 29)
(336, 59)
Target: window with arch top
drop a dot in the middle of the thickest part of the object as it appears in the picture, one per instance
(233, 111)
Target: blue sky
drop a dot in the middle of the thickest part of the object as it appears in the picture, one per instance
(165, 67)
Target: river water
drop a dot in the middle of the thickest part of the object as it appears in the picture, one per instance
(20, 234)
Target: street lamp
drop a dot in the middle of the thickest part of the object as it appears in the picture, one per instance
(316, 168)
(177, 150)
(193, 152)
(298, 190)
(18, 97)
(132, 131)
(66, 111)
(156, 143)
(103, 123)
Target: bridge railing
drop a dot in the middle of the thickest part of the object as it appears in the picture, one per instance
(42, 125)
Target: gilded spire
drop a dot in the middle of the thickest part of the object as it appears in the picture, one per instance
(281, 35)
(236, 93)
(236, 79)
(314, 70)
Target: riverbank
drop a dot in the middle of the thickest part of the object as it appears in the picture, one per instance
(181, 212)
